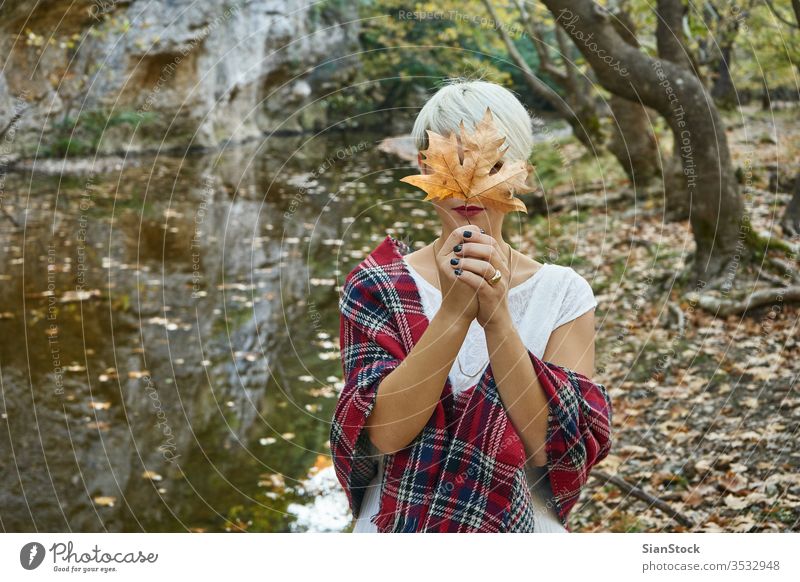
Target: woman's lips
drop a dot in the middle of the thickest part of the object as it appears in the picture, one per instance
(468, 210)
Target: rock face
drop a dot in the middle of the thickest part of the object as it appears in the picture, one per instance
(153, 74)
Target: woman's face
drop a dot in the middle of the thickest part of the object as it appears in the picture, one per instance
(455, 212)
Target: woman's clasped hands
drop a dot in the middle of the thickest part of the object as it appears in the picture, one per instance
(467, 260)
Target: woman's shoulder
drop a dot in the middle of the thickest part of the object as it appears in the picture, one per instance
(376, 261)
(378, 272)
(575, 293)
(567, 274)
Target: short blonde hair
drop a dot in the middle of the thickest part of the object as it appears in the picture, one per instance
(463, 99)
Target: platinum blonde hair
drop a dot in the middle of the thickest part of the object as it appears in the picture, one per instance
(461, 99)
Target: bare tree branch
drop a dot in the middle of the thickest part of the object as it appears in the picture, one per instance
(721, 306)
(536, 84)
(643, 495)
(536, 34)
(779, 16)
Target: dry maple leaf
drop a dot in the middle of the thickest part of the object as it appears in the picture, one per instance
(467, 175)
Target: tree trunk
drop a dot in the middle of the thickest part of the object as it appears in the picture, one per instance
(633, 143)
(766, 102)
(726, 27)
(723, 91)
(676, 194)
(790, 223)
(677, 94)
(672, 46)
(632, 140)
(670, 40)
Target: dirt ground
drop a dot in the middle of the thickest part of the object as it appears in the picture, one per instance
(706, 410)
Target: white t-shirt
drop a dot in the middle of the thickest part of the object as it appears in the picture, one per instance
(552, 296)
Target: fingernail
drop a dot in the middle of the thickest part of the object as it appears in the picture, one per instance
(483, 231)
(457, 271)
(453, 261)
(457, 248)
(467, 233)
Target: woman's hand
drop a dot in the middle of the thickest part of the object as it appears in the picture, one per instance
(479, 257)
(460, 300)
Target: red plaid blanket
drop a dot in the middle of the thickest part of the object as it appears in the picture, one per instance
(465, 471)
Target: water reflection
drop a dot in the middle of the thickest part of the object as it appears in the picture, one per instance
(169, 334)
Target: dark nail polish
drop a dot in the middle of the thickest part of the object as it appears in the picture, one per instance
(453, 261)
(457, 248)
(467, 233)
(457, 271)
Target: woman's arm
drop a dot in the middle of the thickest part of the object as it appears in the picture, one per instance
(570, 345)
(408, 395)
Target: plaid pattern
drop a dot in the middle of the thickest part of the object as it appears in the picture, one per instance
(465, 471)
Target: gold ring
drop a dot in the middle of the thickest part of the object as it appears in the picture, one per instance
(496, 277)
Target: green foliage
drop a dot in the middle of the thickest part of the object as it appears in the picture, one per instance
(768, 50)
(81, 135)
(410, 47)
(765, 49)
(548, 166)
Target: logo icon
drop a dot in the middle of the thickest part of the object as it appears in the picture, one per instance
(31, 555)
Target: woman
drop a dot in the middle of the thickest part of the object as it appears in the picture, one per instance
(468, 404)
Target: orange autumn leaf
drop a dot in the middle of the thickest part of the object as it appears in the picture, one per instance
(467, 174)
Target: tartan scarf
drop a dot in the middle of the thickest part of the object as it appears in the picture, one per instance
(465, 470)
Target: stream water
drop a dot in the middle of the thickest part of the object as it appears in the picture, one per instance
(169, 334)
